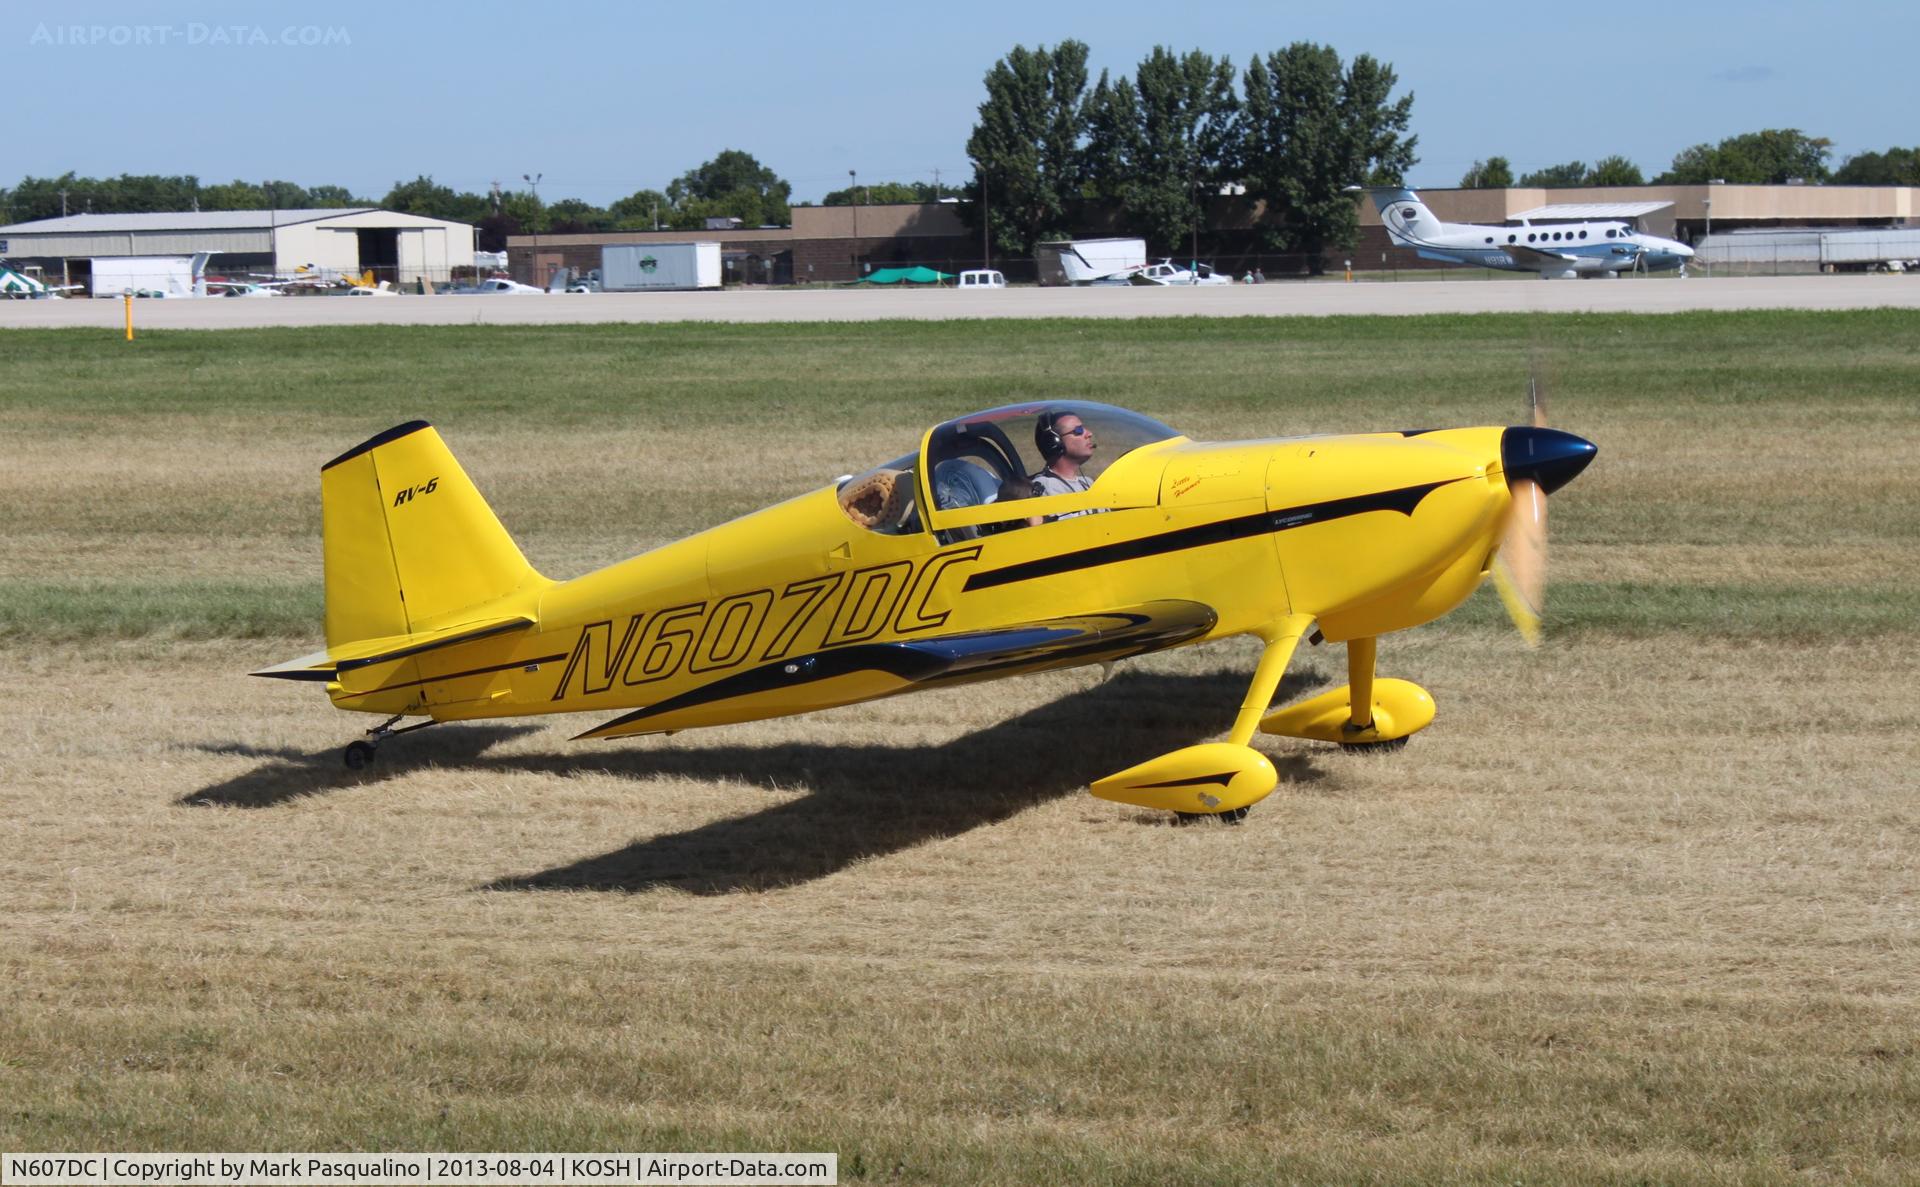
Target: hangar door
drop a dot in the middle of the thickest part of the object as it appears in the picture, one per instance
(380, 251)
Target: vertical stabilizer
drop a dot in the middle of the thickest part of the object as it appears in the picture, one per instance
(1408, 221)
(409, 543)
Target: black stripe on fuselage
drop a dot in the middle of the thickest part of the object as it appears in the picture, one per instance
(535, 662)
(1221, 531)
(950, 659)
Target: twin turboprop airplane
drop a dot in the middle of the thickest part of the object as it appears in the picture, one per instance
(1554, 250)
(923, 573)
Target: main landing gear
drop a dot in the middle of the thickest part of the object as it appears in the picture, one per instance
(360, 754)
(1225, 779)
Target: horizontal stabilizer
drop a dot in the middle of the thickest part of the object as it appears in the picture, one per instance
(318, 666)
(328, 664)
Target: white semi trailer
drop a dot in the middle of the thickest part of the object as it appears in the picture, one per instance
(659, 267)
(151, 276)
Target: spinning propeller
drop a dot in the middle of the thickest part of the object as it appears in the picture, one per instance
(1538, 461)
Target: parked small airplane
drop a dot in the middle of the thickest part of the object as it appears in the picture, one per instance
(1169, 274)
(19, 286)
(920, 573)
(245, 288)
(1554, 250)
(499, 285)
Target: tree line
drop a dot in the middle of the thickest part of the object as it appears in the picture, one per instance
(1150, 150)
(1773, 156)
(731, 185)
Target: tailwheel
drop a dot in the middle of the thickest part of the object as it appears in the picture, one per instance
(359, 754)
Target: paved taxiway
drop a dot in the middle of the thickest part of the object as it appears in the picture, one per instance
(1280, 299)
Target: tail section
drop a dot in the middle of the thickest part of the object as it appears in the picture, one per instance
(410, 546)
(1408, 221)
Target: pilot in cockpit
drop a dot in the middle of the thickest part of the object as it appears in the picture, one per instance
(1066, 443)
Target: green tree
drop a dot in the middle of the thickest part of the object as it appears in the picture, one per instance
(1896, 166)
(1494, 173)
(1114, 146)
(329, 196)
(1771, 157)
(881, 193)
(234, 195)
(732, 184)
(1313, 127)
(1026, 147)
(425, 197)
(1162, 141)
(642, 210)
(1556, 177)
(246, 195)
(571, 216)
(36, 198)
(1615, 170)
(132, 193)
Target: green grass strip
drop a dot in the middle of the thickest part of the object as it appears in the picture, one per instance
(1726, 611)
(66, 612)
(72, 611)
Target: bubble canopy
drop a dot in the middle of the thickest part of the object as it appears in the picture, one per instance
(967, 460)
(1116, 431)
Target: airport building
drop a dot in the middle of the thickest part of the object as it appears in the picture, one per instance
(397, 247)
(842, 243)
(824, 244)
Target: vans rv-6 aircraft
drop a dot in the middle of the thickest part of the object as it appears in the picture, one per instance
(921, 573)
(1554, 250)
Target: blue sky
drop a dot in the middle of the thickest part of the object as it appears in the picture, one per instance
(605, 99)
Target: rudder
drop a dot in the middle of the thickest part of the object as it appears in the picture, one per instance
(1408, 221)
(409, 542)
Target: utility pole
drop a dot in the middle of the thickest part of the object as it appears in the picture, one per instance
(533, 180)
(63, 203)
(853, 200)
(936, 183)
(986, 220)
(1195, 263)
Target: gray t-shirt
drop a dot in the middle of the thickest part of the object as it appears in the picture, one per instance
(1046, 483)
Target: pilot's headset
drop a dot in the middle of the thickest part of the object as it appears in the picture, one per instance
(1046, 438)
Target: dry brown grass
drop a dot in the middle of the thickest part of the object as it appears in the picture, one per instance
(1643, 909)
(1639, 907)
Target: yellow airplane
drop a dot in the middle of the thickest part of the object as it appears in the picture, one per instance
(1024, 538)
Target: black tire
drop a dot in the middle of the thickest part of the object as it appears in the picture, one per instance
(1230, 816)
(359, 755)
(1386, 747)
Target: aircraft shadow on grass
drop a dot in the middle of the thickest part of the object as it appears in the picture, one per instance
(868, 801)
(296, 774)
(861, 801)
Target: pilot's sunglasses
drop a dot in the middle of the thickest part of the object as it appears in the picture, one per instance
(1075, 431)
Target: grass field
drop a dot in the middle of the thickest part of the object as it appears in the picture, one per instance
(1640, 907)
